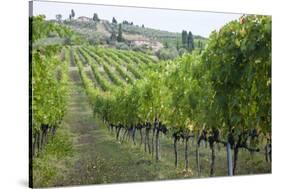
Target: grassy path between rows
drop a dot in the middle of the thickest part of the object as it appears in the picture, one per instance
(97, 156)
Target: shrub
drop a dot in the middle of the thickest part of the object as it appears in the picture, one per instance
(167, 53)
(122, 46)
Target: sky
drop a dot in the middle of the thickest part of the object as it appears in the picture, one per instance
(199, 23)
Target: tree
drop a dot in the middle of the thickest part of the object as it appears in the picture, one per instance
(113, 36)
(72, 13)
(114, 21)
(167, 53)
(190, 42)
(59, 17)
(184, 38)
(177, 44)
(120, 37)
(96, 18)
(125, 22)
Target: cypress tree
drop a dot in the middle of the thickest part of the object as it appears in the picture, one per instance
(114, 21)
(96, 17)
(120, 37)
(190, 42)
(113, 36)
(184, 38)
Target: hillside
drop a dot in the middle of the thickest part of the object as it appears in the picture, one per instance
(99, 32)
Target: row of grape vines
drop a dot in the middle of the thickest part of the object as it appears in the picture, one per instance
(49, 88)
(221, 97)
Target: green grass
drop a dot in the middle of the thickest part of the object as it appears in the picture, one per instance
(247, 163)
(49, 165)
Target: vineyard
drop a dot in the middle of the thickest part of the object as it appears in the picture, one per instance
(203, 114)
